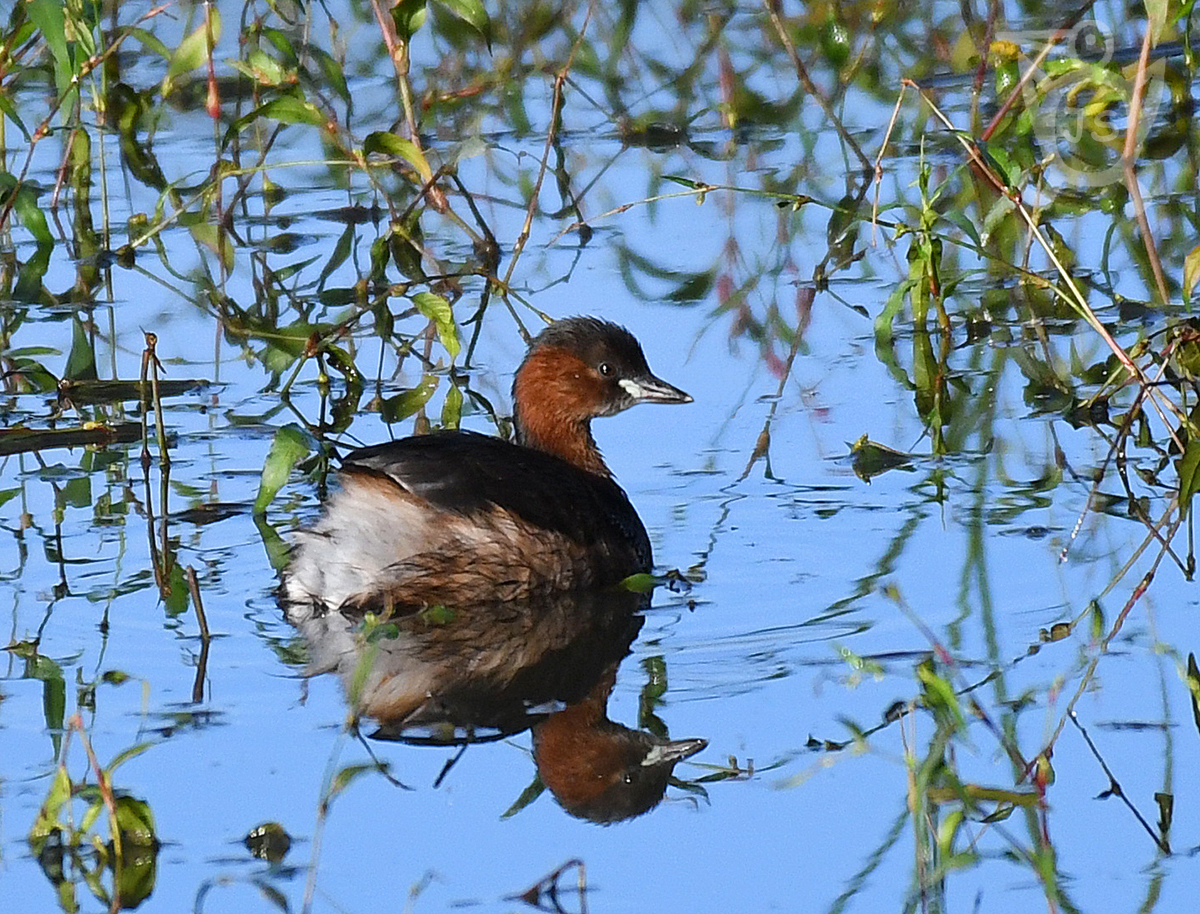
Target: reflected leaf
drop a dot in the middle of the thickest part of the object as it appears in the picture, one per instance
(346, 776)
(1166, 811)
(33, 274)
(693, 287)
(77, 493)
(291, 445)
(175, 594)
(192, 52)
(81, 363)
(217, 240)
(872, 458)
(535, 789)
(401, 406)
(1193, 682)
(28, 376)
(21, 440)
(278, 551)
(976, 793)
(341, 251)
(25, 205)
(96, 391)
(269, 841)
(135, 821)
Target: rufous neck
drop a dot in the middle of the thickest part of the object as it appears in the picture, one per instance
(549, 414)
(573, 443)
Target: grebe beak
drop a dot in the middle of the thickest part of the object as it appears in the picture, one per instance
(649, 389)
(669, 753)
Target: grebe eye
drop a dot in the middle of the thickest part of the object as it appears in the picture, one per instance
(606, 369)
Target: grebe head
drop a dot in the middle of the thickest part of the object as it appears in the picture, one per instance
(577, 369)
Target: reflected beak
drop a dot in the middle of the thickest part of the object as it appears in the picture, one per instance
(649, 389)
(677, 750)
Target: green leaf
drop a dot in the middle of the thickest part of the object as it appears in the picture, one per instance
(9, 110)
(408, 17)
(893, 306)
(26, 206)
(383, 631)
(192, 51)
(437, 309)
(394, 145)
(473, 14)
(284, 45)
(48, 816)
(437, 614)
(51, 19)
(964, 224)
(90, 795)
(1189, 480)
(331, 72)
(263, 69)
(287, 109)
(291, 445)
(1191, 271)
(639, 583)
(152, 42)
(940, 697)
(685, 182)
(1156, 19)
(451, 409)
(125, 755)
(347, 776)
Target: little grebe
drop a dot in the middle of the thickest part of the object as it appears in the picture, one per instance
(457, 517)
